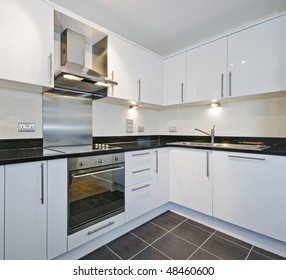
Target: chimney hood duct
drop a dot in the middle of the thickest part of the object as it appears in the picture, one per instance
(73, 76)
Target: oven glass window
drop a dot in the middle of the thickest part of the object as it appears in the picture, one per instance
(94, 195)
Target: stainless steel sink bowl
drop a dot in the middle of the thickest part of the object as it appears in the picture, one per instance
(253, 147)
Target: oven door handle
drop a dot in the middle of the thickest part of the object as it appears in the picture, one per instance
(97, 172)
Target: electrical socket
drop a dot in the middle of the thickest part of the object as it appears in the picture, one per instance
(140, 128)
(172, 129)
(26, 127)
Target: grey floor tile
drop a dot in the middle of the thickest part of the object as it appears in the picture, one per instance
(150, 253)
(166, 221)
(103, 253)
(175, 215)
(149, 232)
(199, 225)
(175, 247)
(256, 256)
(225, 249)
(233, 239)
(268, 254)
(127, 246)
(203, 255)
(191, 233)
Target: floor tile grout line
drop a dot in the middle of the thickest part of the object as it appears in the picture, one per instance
(234, 241)
(249, 252)
(113, 252)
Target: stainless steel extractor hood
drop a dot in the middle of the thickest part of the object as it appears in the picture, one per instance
(73, 75)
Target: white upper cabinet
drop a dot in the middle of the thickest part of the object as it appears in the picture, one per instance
(122, 68)
(26, 51)
(150, 77)
(206, 71)
(257, 59)
(175, 79)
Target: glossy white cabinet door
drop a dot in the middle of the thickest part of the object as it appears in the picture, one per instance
(206, 71)
(257, 59)
(57, 208)
(175, 79)
(26, 211)
(122, 68)
(249, 191)
(191, 179)
(27, 42)
(150, 77)
(1, 212)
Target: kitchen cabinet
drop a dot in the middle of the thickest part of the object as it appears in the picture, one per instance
(249, 191)
(257, 59)
(35, 209)
(150, 77)
(206, 71)
(191, 184)
(122, 68)
(26, 51)
(1, 212)
(175, 79)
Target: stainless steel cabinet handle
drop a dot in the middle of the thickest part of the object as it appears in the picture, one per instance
(250, 158)
(42, 183)
(142, 170)
(157, 162)
(139, 88)
(229, 83)
(208, 165)
(51, 68)
(182, 92)
(100, 228)
(97, 172)
(222, 80)
(139, 188)
(142, 154)
(112, 87)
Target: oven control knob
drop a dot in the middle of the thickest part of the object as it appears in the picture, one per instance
(115, 158)
(80, 163)
(100, 161)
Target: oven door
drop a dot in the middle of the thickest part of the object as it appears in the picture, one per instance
(95, 194)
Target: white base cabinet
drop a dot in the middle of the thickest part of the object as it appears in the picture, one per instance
(35, 209)
(1, 212)
(191, 184)
(27, 32)
(249, 191)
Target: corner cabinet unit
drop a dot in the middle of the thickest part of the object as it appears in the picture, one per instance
(26, 51)
(35, 209)
(1, 212)
(249, 191)
(191, 184)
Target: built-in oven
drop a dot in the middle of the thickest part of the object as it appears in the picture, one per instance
(96, 189)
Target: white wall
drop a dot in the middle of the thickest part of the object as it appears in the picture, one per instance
(19, 106)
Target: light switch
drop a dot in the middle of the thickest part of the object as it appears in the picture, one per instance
(129, 126)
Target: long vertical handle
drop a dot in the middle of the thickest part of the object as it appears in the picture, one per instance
(182, 92)
(222, 83)
(42, 183)
(157, 162)
(112, 87)
(208, 165)
(229, 83)
(51, 68)
(139, 88)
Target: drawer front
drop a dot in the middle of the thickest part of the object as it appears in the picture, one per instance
(138, 199)
(139, 158)
(94, 231)
(138, 175)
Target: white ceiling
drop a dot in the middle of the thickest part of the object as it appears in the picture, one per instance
(168, 26)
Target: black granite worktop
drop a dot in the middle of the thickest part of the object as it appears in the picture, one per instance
(26, 150)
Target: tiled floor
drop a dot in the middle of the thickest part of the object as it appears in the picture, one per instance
(171, 236)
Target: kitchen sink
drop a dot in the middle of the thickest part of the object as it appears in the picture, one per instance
(253, 147)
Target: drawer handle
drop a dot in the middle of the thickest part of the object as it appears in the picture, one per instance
(100, 228)
(139, 188)
(142, 170)
(142, 154)
(251, 158)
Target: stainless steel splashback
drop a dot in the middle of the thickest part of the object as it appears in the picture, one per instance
(67, 118)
